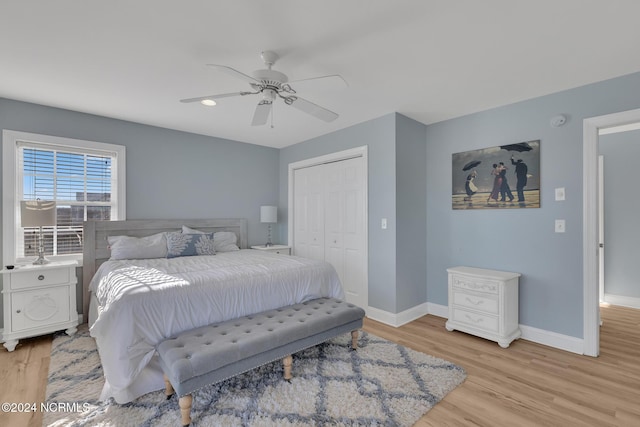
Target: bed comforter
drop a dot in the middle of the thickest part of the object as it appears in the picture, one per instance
(143, 302)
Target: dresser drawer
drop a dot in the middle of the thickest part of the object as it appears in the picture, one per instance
(31, 309)
(39, 277)
(477, 302)
(475, 284)
(476, 320)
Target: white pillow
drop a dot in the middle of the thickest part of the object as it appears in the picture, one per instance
(189, 230)
(128, 247)
(223, 241)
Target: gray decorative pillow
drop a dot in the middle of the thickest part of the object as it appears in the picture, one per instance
(180, 244)
(223, 241)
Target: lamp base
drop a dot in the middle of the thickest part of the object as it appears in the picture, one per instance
(41, 261)
(266, 245)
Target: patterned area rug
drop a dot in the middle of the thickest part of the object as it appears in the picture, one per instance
(380, 384)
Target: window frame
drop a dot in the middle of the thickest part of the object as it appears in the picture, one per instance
(10, 185)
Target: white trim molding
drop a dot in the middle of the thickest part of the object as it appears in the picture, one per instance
(540, 336)
(622, 300)
(552, 339)
(591, 309)
(397, 319)
(10, 186)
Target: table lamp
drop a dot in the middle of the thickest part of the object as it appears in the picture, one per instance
(38, 213)
(269, 215)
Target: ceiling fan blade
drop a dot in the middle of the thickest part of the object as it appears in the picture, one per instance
(262, 113)
(334, 80)
(313, 109)
(222, 95)
(234, 73)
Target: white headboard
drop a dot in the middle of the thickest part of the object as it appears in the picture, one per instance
(96, 250)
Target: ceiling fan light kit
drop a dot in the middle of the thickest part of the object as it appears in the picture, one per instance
(270, 84)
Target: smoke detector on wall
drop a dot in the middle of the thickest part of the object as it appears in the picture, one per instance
(558, 120)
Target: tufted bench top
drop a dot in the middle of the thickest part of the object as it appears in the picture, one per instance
(210, 354)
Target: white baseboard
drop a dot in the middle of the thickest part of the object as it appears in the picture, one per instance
(552, 339)
(397, 319)
(540, 336)
(622, 300)
(438, 310)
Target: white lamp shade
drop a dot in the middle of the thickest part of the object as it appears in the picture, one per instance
(37, 213)
(269, 214)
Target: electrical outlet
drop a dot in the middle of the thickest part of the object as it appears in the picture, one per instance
(383, 223)
(560, 226)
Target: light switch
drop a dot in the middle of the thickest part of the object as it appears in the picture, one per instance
(560, 226)
(383, 223)
(560, 194)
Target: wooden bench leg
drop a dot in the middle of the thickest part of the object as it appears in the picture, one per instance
(168, 391)
(287, 361)
(354, 339)
(185, 409)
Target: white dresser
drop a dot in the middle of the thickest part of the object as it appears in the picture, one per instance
(38, 299)
(484, 303)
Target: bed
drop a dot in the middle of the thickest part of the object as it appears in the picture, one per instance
(134, 304)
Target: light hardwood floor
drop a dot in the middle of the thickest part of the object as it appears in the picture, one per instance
(525, 385)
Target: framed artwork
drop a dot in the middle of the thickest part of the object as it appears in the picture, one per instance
(502, 177)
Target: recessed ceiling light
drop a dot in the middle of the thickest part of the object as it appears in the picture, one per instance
(208, 102)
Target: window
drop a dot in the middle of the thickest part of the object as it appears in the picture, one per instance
(84, 178)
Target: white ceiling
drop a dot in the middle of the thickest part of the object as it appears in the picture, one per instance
(430, 60)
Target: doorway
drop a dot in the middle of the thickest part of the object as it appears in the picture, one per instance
(591, 290)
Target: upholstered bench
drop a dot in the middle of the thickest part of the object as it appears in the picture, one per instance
(210, 354)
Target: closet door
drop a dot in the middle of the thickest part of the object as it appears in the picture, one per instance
(329, 219)
(308, 212)
(344, 213)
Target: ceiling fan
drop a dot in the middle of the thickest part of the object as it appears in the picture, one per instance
(270, 85)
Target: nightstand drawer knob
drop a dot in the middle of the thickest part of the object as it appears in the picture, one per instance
(41, 277)
(18, 311)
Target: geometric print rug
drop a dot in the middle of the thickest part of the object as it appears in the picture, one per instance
(380, 384)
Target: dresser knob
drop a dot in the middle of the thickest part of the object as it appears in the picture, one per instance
(18, 311)
(41, 277)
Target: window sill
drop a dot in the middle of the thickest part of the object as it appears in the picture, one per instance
(75, 257)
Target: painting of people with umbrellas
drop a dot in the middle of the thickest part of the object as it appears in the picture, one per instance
(501, 177)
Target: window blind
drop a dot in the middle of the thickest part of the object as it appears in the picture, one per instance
(81, 182)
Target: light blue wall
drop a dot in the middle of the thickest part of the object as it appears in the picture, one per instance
(411, 213)
(379, 136)
(621, 153)
(170, 174)
(521, 240)
(195, 171)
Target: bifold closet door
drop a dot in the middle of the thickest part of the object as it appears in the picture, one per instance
(329, 220)
(308, 239)
(344, 213)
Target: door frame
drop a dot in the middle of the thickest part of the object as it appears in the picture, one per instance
(591, 290)
(351, 153)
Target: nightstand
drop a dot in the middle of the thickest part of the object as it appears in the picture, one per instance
(276, 249)
(39, 299)
(484, 303)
